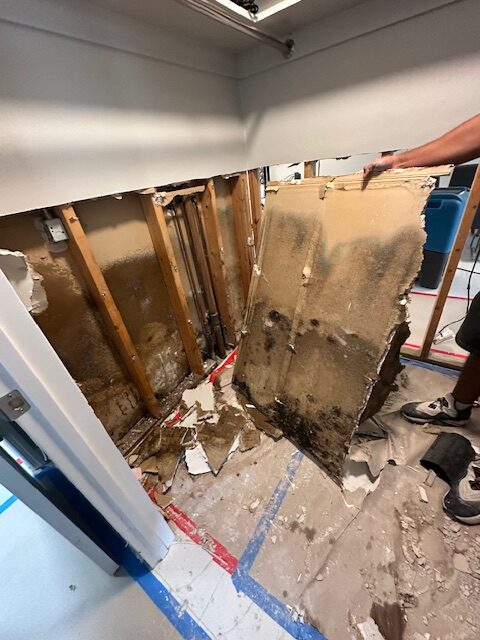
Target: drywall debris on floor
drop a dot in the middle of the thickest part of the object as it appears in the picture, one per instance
(400, 562)
(368, 630)
(201, 396)
(196, 460)
(337, 257)
(249, 437)
(210, 423)
(166, 460)
(218, 437)
(394, 558)
(414, 564)
(146, 427)
(24, 279)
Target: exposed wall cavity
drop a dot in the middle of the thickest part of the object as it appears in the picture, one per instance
(46, 277)
(24, 279)
(74, 327)
(236, 298)
(121, 243)
(175, 217)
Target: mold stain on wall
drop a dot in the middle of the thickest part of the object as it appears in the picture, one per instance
(326, 309)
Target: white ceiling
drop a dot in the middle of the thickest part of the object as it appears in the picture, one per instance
(171, 15)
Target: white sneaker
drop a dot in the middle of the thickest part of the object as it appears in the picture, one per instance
(440, 411)
(464, 504)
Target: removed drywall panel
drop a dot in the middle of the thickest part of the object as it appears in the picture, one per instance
(337, 257)
(120, 241)
(73, 326)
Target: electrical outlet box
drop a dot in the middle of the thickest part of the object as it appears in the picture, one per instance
(55, 230)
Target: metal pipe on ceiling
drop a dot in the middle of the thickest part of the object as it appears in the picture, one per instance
(230, 19)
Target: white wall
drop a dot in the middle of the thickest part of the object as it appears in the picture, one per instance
(285, 171)
(341, 166)
(93, 103)
(397, 86)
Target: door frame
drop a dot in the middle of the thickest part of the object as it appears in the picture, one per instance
(62, 423)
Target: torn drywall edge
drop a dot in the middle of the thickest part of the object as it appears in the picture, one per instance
(248, 315)
(164, 198)
(425, 183)
(402, 311)
(24, 279)
(390, 178)
(422, 184)
(255, 277)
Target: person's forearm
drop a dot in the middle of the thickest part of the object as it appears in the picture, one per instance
(458, 145)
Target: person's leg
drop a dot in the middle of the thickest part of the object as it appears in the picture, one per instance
(455, 408)
(467, 389)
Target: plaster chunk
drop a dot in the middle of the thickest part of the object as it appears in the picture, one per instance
(24, 279)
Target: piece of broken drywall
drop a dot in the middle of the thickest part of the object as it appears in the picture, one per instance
(337, 257)
(211, 422)
(24, 279)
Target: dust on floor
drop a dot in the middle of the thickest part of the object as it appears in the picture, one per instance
(378, 558)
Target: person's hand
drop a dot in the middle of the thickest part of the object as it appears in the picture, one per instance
(379, 164)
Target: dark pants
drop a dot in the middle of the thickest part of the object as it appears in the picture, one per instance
(468, 336)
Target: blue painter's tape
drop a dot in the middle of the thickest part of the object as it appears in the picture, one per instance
(8, 503)
(274, 608)
(263, 527)
(184, 624)
(451, 373)
(163, 599)
(249, 586)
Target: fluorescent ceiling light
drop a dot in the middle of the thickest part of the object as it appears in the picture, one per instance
(268, 8)
(271, 7)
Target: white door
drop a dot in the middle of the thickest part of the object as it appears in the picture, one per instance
(63, 425)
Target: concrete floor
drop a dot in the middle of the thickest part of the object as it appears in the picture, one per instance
(269, 549)
(334, 559)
